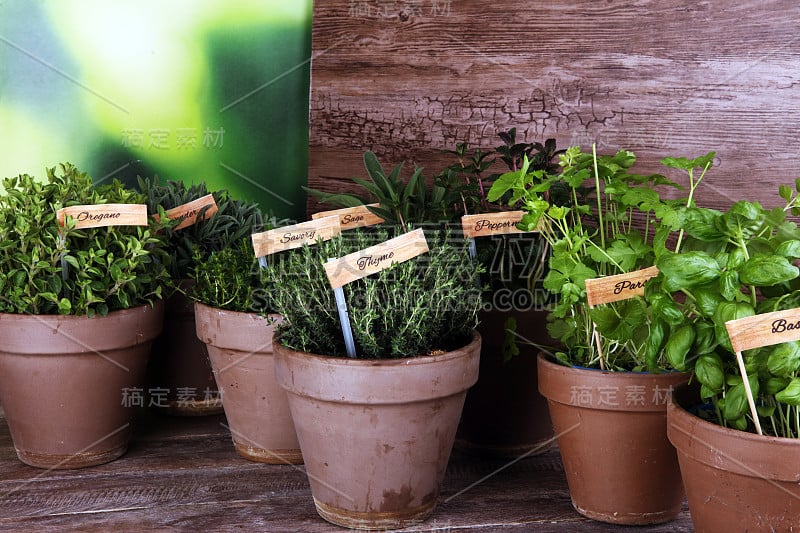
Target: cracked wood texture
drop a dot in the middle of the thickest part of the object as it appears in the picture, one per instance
(409, 78)
(182, 474)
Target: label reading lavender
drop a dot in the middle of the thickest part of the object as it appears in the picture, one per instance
(188, 212)
(101, 215)
(375, 258)
(289, 237)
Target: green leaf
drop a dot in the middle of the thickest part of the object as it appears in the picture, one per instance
(767, 270)
(710, 372)
(502, 185)
(678, 345)
(700, 223)
(784, 359)
(789, 249)
(791, 394)
(688, 269)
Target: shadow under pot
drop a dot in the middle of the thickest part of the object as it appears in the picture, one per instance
(256, 407)
(68, 384)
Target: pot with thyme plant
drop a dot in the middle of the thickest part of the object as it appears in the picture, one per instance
(607, 391)
(181, 381)
(79, 308)
(738, 436)
(376, 430)
(235, 318)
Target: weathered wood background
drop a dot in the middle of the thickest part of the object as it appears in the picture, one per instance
(410, 78)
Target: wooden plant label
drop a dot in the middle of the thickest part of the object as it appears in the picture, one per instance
(100, 215)
(764, 330)
(352, 217)
(375, 258)
(619, 287)
(503, 222)
(190, 211)
(289, 237)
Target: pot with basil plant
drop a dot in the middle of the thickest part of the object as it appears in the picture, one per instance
(730, 296)
(81, 281)
(181, 381)
(376, 351)
(235, 317)
(607, 391)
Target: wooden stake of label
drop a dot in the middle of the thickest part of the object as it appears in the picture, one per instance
(757, 331)
(102, 215)
(375, 258)
(191, 210)
(613, 289)
(500, 223)
(289, 237)
(618, 287)
(352, 217)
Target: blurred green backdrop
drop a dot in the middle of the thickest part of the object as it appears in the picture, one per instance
(193, 90)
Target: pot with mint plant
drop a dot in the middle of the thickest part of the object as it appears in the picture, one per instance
(235, 318)
(79, 309)
(181, 380)
(608, 389)
(376, 430)
(738, 461)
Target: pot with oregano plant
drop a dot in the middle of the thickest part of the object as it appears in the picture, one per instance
(607, 391)
(80, 303)
(376, 417)
(235, 318)
(181, 381)
(730, 296)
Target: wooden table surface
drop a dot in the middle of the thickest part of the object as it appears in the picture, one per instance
(182, 474)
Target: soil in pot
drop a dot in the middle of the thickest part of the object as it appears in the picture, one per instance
(735, 480)
(181, 380)
(257, 409)
(504, 413)
(612, 435)
(69, 384)
(376, 435)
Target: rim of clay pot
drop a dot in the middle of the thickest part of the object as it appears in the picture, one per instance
(224, 329)
(343, 380)
(64, 332)
(557, 383)
(745, 453)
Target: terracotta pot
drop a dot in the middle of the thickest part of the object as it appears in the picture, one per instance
(612, 435)
(69, 384)
(735, 481)
(504, 413)
(181, 381)
(240, 346)
(376, 434)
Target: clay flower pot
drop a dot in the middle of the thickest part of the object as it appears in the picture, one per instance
(181, 380)
(504, 413)
(376, 434)
(64, 382)
(612, 435)
(735, 480)
(240, 347)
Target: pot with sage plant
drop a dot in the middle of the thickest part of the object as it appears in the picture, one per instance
(376, 430)
(235, 318)
(80, 304)
(737, 431)
(608, 389)
(181, 381)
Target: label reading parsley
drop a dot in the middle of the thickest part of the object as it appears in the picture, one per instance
(101, 215)
(375, 258)
(289, 237)
(353, 217)
(619, 287)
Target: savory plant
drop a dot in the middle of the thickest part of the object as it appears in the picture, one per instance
(47, 269)
(421, 306)
(234, 220)
(614, 222)
(733, 264)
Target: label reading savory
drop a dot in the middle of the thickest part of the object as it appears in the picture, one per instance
(289, 237)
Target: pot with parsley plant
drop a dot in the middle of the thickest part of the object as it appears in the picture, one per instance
(607, 391)
(734, 290)
(181, 381)
(376, 429)
(80, 304)
(235, 318)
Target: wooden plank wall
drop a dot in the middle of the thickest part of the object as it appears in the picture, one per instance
(409, 78)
